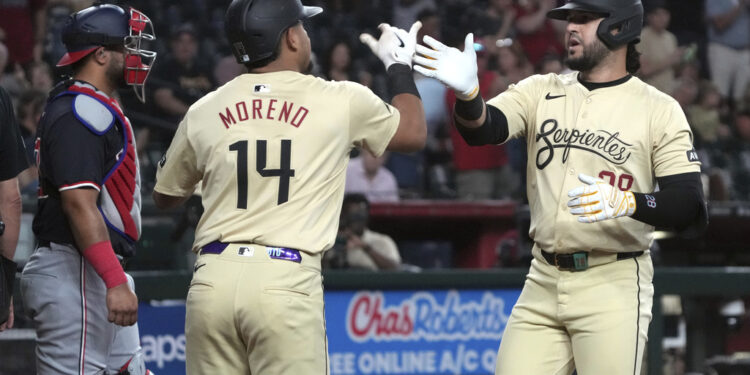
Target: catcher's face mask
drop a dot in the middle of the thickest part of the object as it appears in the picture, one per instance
(138, 60)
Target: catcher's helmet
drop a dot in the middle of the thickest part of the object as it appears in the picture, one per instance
(106, 25)
(254, 27)
(626, 16)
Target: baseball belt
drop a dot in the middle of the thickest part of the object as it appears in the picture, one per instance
(579, 261)
(282, 253)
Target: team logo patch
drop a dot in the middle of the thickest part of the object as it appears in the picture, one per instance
(246, 251)
(692, 156)
(262, 88)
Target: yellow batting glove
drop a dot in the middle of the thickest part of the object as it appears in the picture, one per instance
(598, 200)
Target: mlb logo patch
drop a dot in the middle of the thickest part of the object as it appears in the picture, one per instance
(262, 88)
(246, 251)
(692, 156)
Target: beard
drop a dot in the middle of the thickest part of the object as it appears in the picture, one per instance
(593, 54)
(116, 73)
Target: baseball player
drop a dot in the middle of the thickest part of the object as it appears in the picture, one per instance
(81, 302)
(271, 149)
(599, 142)
(13, 156)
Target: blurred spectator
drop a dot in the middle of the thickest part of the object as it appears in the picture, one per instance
(365, 175)
(3, 57)
(536, 32)
(729, 45)
(182, 77)
(30, 108)
(338, 63)
(704, 116)
(736, 158)
(551, 64)
(39, 76)
(513, 66)
(658, 48)
(227, 69)
(405, 12)
(356, 245)
(482, 172)
(685, 92)
(23, 23)
(437, 150)
(495, 23)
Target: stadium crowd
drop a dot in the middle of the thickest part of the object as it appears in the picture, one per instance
(697, 52)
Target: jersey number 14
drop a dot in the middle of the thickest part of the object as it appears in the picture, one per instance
(284, 172)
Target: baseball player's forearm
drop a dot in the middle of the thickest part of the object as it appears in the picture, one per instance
(10, 212)
(679, 204)
(492, 130)
(724, 20)
(90, 234)
(411, 134)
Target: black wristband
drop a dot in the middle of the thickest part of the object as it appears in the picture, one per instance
(401, 80)
(470, 110)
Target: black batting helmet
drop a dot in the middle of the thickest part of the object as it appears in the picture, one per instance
(254, 27)
(625, 16)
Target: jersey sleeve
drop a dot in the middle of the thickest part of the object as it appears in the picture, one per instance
(371, 120)
(76, 156)
(518, 103)
(177, 172)
(12, 149)
(673, 151)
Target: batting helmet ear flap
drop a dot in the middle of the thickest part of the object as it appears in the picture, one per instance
(623, 28)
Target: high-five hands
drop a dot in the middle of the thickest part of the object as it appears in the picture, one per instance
(395, 46)
(598, 200)
(454, 68)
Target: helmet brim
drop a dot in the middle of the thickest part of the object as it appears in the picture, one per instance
(308, 12)
(74, 56)
(561, 13)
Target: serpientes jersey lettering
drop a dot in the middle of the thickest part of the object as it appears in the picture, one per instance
(627, 134)
(271, 151)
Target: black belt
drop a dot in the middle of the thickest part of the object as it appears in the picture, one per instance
(579, 261)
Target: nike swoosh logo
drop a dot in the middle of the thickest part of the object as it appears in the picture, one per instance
(402, 42)
(198, 266)
(550, 96)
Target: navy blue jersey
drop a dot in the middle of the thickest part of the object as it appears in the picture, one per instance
(84, 141)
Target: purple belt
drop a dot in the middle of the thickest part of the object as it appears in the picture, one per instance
(282, 253)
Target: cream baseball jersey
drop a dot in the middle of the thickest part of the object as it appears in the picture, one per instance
(271, 150)
(626, 134)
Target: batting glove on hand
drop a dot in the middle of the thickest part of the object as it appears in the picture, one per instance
(395, 46)
(598, 200)
(455, 69)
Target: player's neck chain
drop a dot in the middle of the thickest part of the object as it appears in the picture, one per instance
(600, 142)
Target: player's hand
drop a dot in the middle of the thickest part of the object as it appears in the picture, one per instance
(454, 68)
(8, 323)
(598, 200)
(122, 305)
(395, 46)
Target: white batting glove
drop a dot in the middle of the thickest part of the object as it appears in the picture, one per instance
(395, 46)
(455, 69)
(598, 200)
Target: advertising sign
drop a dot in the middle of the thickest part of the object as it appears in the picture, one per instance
(373, 332)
